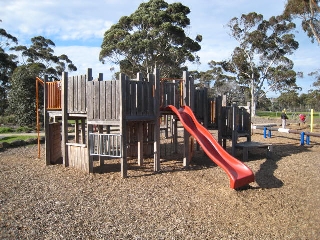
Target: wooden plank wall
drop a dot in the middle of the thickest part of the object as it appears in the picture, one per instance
(103, 98)
(77, 93)
(139, 98)
(78, 157)
(170, 93)
(200, 109)
(55, 143)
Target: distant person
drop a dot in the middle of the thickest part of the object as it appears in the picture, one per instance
(302, 118)
(284, 118)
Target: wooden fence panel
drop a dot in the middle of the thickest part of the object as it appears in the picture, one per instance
(55, 143)
(170, 94)
(77, 93)
(78, 157)
(103, 100)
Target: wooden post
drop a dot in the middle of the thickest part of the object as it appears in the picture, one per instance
(76, 131)
(249, 122)
(83, 132)
(89, 126)
(46, 121)
(64, 109)
(205, 108)
(140, 142)
(234, 129)
(156, 82)
(100, 77)
(191, 91)
(175, 135)
(186, 85)
(101, 159)
(186, 135)
(123, 128)
(219, 115)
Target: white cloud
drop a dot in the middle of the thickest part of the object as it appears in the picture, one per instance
(84, 58)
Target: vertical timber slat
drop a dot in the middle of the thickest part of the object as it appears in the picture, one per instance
(64, 96)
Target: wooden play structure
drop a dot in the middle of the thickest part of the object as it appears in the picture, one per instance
(124, 118)
(114, 118)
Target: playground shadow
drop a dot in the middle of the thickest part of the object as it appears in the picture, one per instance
(265, 176)
(170, 164)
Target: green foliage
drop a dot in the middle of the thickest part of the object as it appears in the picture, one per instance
(260, 59)
(308, 12)
(289, 98)
(7, 65)
(13, 138)
(152, 36)
(16, 130)
(23, 129)
(23, 93)
(7, 119)
(41, 53)
(6, 130)
(316, 75)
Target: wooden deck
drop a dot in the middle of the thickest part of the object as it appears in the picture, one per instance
(247, 146)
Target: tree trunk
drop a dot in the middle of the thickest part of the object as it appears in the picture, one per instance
(253, 100)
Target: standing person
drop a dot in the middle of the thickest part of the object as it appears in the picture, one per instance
(284, 118)
(302, 118)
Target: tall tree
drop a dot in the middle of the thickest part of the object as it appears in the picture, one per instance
(42, 54)
(8, 62)
(22, 94)
(309, 13)
(289, 100)
(38, 60)
(260, 60)
(152, 36)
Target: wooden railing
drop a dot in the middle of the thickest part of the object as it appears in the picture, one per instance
(171, 92)
(53, 94)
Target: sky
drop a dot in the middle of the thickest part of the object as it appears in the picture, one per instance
(77, 29)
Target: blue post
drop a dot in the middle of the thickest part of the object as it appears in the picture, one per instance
(308, 140)
(269, 133)
(302, 138)
(264, 132)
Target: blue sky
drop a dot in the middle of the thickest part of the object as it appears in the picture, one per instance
(77, 28)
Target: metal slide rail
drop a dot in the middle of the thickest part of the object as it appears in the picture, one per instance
(108, 145)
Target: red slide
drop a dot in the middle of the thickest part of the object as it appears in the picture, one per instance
(238, 172)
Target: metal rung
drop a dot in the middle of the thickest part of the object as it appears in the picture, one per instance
(109, 145)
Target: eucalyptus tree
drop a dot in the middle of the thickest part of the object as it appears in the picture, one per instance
(289, 100)
(308, 11)
(8, 62)
(38, 59)
(154, 35)
(260, 60)
(41, 53)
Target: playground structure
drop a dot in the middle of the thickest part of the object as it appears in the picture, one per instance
(121, 119)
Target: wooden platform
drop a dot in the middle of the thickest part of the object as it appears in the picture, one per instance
(246, 146)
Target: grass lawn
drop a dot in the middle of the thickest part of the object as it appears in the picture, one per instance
(10, 139)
